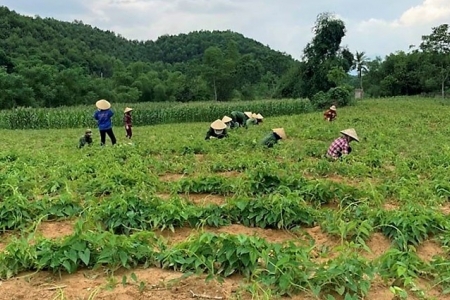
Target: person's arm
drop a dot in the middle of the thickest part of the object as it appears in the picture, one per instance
(81, 143)
(208, 134)
(96, 115)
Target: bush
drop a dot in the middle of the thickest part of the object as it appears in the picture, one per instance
(340, 96)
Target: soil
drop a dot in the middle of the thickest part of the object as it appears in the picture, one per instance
(88, 284)
(169, 177)
(56, 229)
(270, 235)
(445, 209)
(199, 199)
(229, 174)
(390, 206)
(378, 245)
(339, 179)
(428, 249)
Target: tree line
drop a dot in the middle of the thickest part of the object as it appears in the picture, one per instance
(50, 63)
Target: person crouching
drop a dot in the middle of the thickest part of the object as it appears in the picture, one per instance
(217, 129)
(330, 115)
(272, 138)
(86, 139)
(229, 122)
(341, 145)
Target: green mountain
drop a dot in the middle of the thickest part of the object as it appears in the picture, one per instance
(50, 63)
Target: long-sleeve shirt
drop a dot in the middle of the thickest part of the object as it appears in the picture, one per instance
(330, 115)
(339, 147)
(250, 122)
(103, 118)
(270, 140)
(127, 120)
(212, 133)
(239, 117)
(85, 140)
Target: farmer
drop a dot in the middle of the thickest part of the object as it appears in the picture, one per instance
(217, 129)
(259, 118)
(272, 138)
(86, 139)
(341, 146)
(330, 114)
(240, 118)
(127, 122)
(229, 122)
(103, 116)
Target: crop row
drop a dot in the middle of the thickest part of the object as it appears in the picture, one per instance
(287, 269)
(128, 213)
(146, 114)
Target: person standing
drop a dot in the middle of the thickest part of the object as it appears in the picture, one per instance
(127, 120)
(103, 116)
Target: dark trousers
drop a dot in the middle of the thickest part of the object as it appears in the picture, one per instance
(129, 132)
(108, 132)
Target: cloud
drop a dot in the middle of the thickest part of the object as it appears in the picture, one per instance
(375, 35)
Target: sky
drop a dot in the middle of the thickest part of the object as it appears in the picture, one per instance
(377, 27)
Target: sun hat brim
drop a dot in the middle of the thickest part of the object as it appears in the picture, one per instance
(259, 117)
(103, 104)
(218, 125)
(127, 109)
(226, 119)
(248, 114)
(281, 133)
(351, 133)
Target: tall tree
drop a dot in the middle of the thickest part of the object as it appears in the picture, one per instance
(438, 44)
(360, 65)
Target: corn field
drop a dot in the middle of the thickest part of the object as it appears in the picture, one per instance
(146, 113)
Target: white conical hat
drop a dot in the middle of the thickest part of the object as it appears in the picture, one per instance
(248, 114)
(127, 110)
(333, 107)
(351, 133)
(103, 104)
(218, 125)
(259, 117)
(280, 132)
(226, 119)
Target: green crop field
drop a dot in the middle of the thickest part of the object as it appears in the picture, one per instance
(176, 217)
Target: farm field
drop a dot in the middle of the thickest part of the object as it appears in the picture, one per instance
(176, 217)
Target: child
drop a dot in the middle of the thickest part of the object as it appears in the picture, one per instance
(127, 122)
(86, 139)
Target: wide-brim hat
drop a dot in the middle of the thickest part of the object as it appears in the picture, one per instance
(218, 125)
(248, 114)
(226, 119)
(88, 130)
(333, 107)
(280, 132)
(351, 133)
(103, 104)
(127, 110)
(253, 116)
(259, 117)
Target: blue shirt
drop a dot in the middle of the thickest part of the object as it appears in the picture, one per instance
(103, 118)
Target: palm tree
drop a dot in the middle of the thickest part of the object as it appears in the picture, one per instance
(360, 65)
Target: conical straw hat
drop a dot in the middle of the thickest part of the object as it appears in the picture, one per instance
(280, 132)
(351, 133)
(226, 119)
(248, 114)
(333, 107)
(254, 116)
(103, 104)
(218, 125)
(259, 116)
(127, 110)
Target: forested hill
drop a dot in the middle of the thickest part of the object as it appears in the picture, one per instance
(88, 63)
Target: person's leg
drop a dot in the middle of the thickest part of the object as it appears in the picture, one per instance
(102, 137)
(111, 136)
(129, 132)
